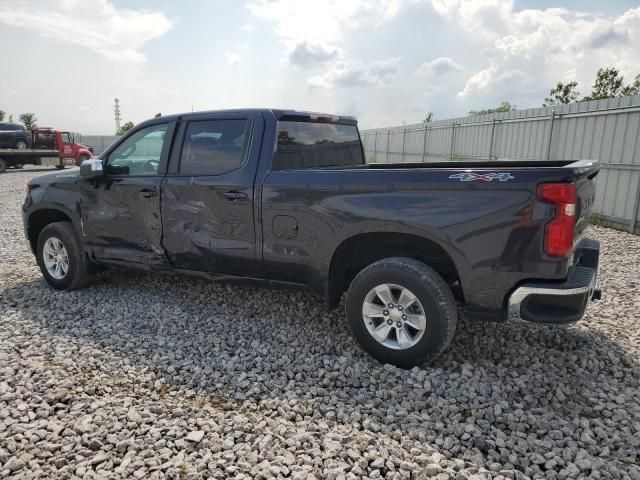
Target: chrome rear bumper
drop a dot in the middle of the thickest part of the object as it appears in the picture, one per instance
(552, 303)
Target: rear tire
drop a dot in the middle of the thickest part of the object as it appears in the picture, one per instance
(3, 166)
(60, 167)
(60, 238)
(419, 298)
(21, 145)
(18, 166)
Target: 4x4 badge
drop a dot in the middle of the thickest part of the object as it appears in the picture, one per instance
(485, 177)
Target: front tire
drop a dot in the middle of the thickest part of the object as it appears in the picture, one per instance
(401, 311)
(82, 158)
(60, 257)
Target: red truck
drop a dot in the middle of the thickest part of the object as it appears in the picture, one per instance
(48, 147)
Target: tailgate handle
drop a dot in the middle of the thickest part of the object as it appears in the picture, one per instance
(234, 195)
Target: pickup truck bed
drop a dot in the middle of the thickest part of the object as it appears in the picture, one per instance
(480, 232)
(284, 198)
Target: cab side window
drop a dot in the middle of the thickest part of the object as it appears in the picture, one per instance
(304, 145)
(139, 154)
(214, 147)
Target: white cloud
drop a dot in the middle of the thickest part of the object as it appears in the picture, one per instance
(306, 54)
(489, 17)
(233, 58)
(321, 22)
(115, 33)
(478, 82)
(356, 73)
(438, 67)
(526, 51)
(247, 28)
(310, 30)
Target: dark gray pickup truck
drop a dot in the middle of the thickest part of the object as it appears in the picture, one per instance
(284, 199)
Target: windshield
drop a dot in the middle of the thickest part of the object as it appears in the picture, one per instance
(67, 137)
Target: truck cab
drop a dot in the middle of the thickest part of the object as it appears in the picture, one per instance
(45, 138)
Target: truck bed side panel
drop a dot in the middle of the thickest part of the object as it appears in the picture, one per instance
(491, 230)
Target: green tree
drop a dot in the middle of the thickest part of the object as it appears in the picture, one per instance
(29, 120)
(633, 88)
(504, 107)
(562, 93)
(125, 127)
(2, 114)
(429, 118)
(608, 84)
(284, 138)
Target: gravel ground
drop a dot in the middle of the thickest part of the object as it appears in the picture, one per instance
(161, 377)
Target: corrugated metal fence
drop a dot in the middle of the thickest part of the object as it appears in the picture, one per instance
(99, 143)
(605, 130)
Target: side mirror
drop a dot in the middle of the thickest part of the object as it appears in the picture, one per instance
(91, 168)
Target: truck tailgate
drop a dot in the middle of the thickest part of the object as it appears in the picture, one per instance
(585, 194)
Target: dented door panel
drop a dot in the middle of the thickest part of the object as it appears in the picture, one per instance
(203, 230)
(208, 220)
(120, 211)
(121, 219)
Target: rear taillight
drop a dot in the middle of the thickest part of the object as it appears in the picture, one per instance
(558, 233)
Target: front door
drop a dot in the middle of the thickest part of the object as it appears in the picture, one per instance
(66, 147)
(208, 196)
(121, 216)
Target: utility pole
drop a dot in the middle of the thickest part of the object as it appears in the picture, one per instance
(116, 109)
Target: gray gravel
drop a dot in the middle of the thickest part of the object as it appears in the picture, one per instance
(160, 377)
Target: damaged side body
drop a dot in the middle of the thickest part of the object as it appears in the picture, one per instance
(285, 198)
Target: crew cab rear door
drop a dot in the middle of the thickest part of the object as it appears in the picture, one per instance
(208, 194)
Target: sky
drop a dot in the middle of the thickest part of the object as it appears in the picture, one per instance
(387, 62)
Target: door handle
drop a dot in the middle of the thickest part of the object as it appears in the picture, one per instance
(149, 192)
(233, 195)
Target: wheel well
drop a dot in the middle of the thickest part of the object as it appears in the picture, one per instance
(40, 219)
(359, 251)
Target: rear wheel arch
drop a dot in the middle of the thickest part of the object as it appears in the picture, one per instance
(359, 251)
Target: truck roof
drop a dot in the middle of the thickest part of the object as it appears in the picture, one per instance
(279, 114)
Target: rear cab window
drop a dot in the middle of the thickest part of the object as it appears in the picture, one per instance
(305, 145)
